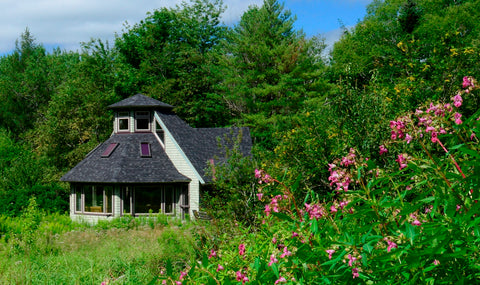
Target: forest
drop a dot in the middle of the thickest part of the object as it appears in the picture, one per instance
(365, 165)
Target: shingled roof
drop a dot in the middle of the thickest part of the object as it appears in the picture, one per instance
(125, 164)
(204, 144)
(140, 101)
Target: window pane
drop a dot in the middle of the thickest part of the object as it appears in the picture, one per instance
(108, 199)
(109, 150)
(123, 124)
(78, 199)
(159, 131)
(169, 198)
(93, 199)
(145, 149)
(126, 194)
(142, 120)
(147, 199)
(142, 124)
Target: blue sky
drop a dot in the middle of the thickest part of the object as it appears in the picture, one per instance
(67, 23)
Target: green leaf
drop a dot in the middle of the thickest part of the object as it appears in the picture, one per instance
(275, 269)
(169, 267)
(410, 232)
(283, 216)
(314, 227)
(204, 260)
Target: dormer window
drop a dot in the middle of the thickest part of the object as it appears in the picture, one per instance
(142, 121)
(123, 121)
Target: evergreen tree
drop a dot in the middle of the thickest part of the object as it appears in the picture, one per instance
(172, 56)
(270, 70)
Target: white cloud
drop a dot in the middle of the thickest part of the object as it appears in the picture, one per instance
(66, 23)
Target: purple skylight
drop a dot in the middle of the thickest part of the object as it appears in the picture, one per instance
(108, 151)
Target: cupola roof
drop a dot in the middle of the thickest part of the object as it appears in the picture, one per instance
(140, 101)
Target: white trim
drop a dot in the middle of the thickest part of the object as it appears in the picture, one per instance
(155, 132)
(177, 146)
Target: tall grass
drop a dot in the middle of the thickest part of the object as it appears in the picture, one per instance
(51, 249)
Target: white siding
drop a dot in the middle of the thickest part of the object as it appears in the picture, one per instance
(179, 160)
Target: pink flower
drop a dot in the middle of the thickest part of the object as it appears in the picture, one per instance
(383, 149)
(316, 211)
(416, 223)
(281, 280)
(220, 268)
(285, 253)
(351, 260)
(472, 136)
(182, 275)
(273, 260)
(408, 138)
(436, 262)
(434, 137)
(457, 100)
(330, 253)
(457, 116)
(258, 173)
(391, 244)
(164, 282)
(294, 234)
(178, 282)
(274, 240)
(401, 161)
(458, 207)
(355, 272)
(241, 277)
(467, 82)
(259, 195)
(241, 249)
(212, 254)
(331, 166)
(333, 209)
(267, 210)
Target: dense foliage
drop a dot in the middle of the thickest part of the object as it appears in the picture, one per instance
(374, 150)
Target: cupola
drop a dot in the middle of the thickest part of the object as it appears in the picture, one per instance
(136, 114)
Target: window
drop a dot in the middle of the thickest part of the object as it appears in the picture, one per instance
(147, 200)
(123, 121)
(108, 151)
(145, 149)
(159, 131)
(150, 199)
(94, 199)
(78, 199)
(142, 121)
(127, 200)
(168, 197)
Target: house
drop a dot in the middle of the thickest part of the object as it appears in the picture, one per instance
(152, 162)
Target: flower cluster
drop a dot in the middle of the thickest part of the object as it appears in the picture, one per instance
(241, 277)
(315, 211)
(352, 262)
(263, 176)
(399, 128)
(390, 244)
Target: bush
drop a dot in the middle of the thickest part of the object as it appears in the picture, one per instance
(414, 220)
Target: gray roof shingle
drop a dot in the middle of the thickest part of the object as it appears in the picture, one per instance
(125, 164)
(203, 144)
(140, 101)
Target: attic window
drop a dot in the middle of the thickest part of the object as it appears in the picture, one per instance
(145, 149)
(123, 121)
(142, 121)
(108, 151)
